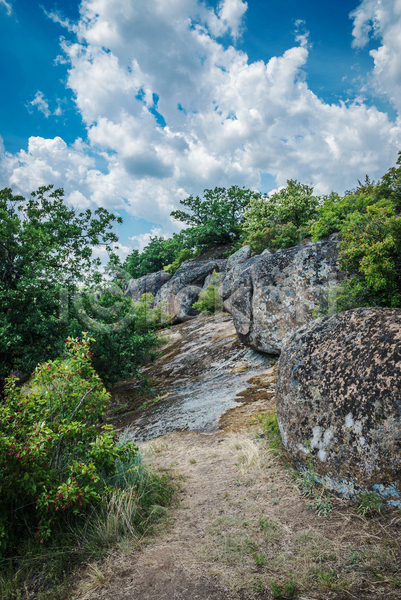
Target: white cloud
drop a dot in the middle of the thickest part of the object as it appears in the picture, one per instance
(381, 19)
(140, 241)
(7, 6)
(172, 111)
(41, 103)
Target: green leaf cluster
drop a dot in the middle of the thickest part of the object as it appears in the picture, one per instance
(369, 223)
(281, 220)
(209, 299)
(53, 453)
(46, 262)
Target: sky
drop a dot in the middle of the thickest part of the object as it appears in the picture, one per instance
(135, 105)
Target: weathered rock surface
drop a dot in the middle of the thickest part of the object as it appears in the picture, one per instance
(236, 263)
(203, 372)
(218, 278)
(277, 293)
(144, 285)
(339, 397)
(192, 273)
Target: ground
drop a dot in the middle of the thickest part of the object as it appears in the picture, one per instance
(241, 524)
(240, 529)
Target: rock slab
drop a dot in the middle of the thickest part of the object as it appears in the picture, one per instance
(148, 284)
(339, 400)
(182, 290)
(277, 293)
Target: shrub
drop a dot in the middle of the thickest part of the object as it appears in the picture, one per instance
(52, 452)
(176, 264)
(125, 332)
(209, 299)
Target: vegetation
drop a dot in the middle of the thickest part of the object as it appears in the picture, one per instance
(66, 480)
(369, 223)
(217, 218)
(209, 299)
(157, 254)
(46, 257)
(281, 220)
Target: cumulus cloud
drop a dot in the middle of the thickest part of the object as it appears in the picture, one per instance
(381, 19)
(172, 111)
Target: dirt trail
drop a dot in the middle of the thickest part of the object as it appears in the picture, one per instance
(240, 525)
(241, 530)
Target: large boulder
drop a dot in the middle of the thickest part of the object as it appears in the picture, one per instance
(173, 299)
(338, 400)
(151, 283)
(277, 293)
(236, 263)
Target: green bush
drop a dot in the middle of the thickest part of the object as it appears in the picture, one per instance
(281, 220)
(53, 454)
(176, 264)
(155, 256)
(209, 299)
(125, 332)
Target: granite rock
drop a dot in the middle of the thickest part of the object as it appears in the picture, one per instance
(338, 400)
(277, 293)
(191, 274)
(151, 283)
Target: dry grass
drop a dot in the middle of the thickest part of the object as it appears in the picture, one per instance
(243, 524)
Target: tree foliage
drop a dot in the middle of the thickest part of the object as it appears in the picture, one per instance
(157, 254)
(46, 256)
(281, 220)
(369, 224)
(216, 218)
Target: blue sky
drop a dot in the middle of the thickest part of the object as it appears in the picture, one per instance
(133, 106)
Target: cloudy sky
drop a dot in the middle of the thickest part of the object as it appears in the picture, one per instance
(134, 105)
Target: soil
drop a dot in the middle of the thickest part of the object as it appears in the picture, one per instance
(240, 528)
(213, 546)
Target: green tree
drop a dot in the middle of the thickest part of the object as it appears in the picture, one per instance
(216, 218)
(46, 256)
(156, 255)
(281, 220)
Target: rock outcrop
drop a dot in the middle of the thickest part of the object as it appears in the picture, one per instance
(151, 283)
(339, 400)
(183, 289)
(235, 264)
(277, 293)
(202, 372)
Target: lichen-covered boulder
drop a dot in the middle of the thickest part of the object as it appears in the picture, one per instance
(236, 263)
(277, 293)
(338, 397)
(148, 284)
(191, 274)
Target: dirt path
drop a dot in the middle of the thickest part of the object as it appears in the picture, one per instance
(242, 524)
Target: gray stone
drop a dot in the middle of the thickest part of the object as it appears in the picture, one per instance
(277, 293)
(192, 273)
(236, 263)
(238, 257)
(151, 283)
(338, 400)
(218, 278)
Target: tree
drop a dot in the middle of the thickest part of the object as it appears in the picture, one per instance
(157, 254)
(293, 204)
(281, 220)
(45, 246)
(217, 218)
